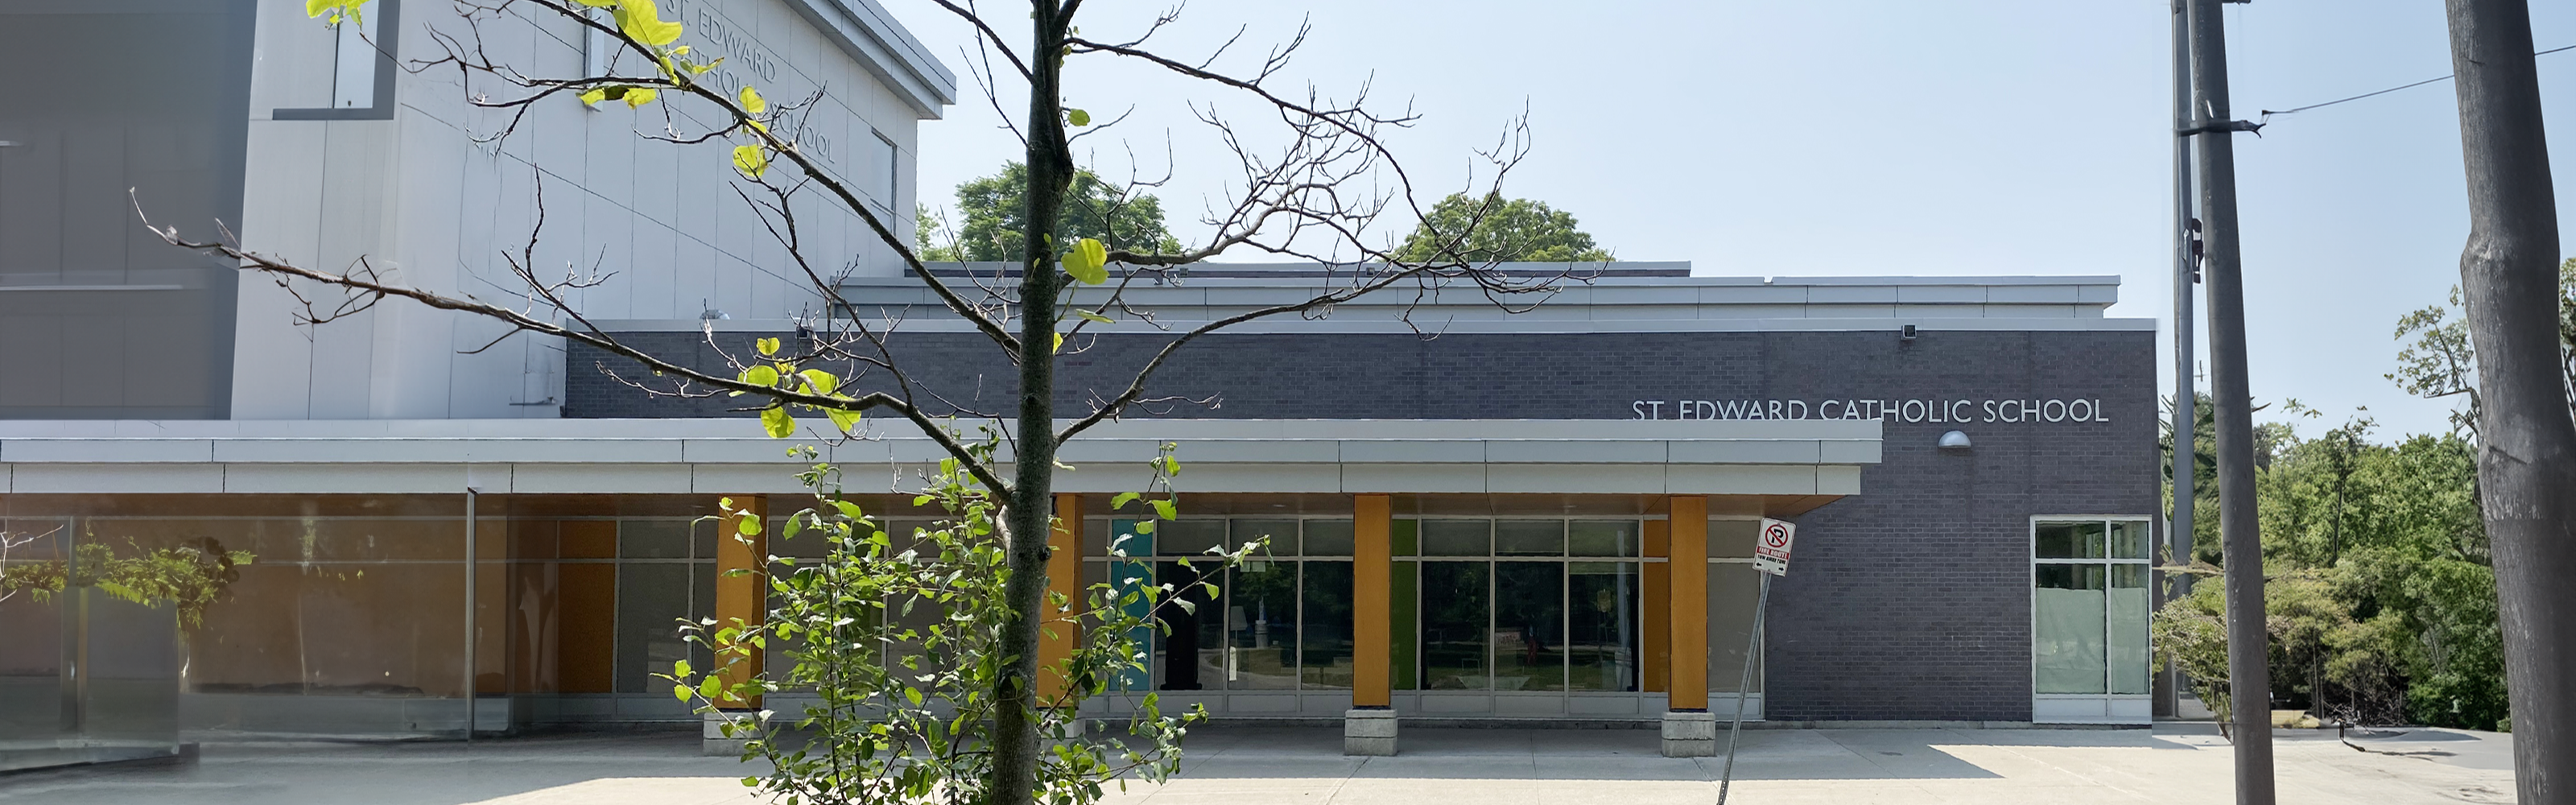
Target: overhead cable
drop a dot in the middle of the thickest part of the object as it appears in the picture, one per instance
(2267, 113)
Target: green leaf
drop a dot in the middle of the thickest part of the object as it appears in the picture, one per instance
(1059, 342)
(594, 96)
(1144, 527)
(1120, 500)
(642, 20)
(751, 160)
(1078, 117)
(1165, 509)
(1090, 316)
(751, 100)
(680, 692)
(1087, 261)
(763, 375)
(847, 421)
(680, 668)
(639, 96)
(848, 509)
(711, 687)
(819, 381)
(776, 421)
(767, 346)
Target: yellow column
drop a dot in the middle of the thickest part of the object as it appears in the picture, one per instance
(1063, 626)
(742, 598)
(1372, 572)
(1658, 588)
(1689, 570)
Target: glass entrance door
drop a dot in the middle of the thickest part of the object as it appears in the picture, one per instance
(2089, 609)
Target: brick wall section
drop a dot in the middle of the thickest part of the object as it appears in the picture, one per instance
(1908, 601)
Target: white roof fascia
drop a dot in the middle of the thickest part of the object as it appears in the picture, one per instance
(873, 38)
(1803, 457)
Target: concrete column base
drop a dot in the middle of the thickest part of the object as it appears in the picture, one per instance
(711, 736)
(1690, 734)
(1369, 732)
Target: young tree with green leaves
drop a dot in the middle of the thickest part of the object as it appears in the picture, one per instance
(1315, 191)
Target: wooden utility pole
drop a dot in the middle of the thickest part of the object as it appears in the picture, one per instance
(2527, 443)
(2249, 679)
(2186, 450)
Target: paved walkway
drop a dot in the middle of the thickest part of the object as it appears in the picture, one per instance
(1266, 766)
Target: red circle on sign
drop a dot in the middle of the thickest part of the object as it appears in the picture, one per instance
(1776, 535)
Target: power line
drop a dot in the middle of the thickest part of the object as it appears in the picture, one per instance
(2267, 113)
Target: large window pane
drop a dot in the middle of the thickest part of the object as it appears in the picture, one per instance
(1328, 538)
(2130, 540)
(1187, 537)
(1454, 625)
(2066, 631)
(1529, 626)
(1261, 627)
(651, 600)
(2069, 540)
(1603, 538)
(1457, 537)
(1279, 536)
(1601, 626)
(1324, 633)
(1529, 538)
(2126, 644)
(1734, 592)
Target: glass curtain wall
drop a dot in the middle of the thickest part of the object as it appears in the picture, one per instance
(1281, 621)
(1517, 605)
(2089, 605)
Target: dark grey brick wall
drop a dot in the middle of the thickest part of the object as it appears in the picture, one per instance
(1908, 601)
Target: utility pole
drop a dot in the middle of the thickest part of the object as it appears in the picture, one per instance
(2186, 234)
(2527, 442)
(2249, 681)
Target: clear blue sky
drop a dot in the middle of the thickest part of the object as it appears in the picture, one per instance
(1853, 138)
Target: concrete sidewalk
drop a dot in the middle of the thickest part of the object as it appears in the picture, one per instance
(1277, 766)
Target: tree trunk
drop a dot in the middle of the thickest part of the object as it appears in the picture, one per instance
(2527, 442)
(1031, 498)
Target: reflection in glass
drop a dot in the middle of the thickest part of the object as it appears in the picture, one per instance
(651, 600)
(1404, 610)
(1601, 625)
(1193, 637)
(1187, 537)
(2129, 540)
(1529, 626)
(2069, 540)
(1328, 538)
(1456, 537)
(1529, 538)
(1325, 631)
(2067, 628)
(1454, 629)
(1603, 537)
(1734, 591)
(1261, 626)
(1280, 535)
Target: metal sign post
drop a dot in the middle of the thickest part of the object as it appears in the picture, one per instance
(1770, 558)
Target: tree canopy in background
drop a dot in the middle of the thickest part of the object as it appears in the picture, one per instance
(1491, 229)
(994, 210)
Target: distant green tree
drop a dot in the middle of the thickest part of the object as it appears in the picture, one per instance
(1490, 229)
(995, 211)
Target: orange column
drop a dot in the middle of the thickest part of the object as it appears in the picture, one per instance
(1372, 575)
(1062, 627)
(742, 588)
(1689, 571)
(1658, 632)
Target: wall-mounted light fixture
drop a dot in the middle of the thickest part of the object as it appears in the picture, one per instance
(1955, 440)
(1906, 334)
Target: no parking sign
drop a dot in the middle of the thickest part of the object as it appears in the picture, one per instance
(1771, 548)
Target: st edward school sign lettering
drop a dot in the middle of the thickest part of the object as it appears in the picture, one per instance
(1917, 410)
